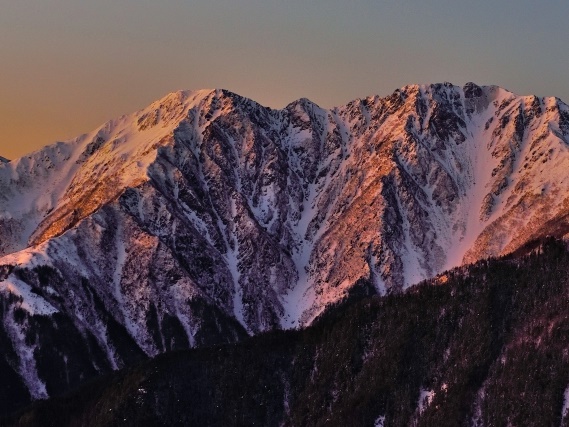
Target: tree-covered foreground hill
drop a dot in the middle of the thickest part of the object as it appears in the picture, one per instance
(486, 344)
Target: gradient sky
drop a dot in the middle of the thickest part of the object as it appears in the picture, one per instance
(66, 66)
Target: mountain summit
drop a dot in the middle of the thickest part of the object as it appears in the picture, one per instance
(206, 217)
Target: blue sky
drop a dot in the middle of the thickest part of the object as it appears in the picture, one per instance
(69, 65)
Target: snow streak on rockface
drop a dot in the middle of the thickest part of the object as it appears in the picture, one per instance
(206, 217)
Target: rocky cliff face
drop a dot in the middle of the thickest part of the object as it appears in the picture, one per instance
(207, 217)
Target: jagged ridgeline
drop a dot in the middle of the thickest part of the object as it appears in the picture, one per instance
(483, 345)
(206, 218)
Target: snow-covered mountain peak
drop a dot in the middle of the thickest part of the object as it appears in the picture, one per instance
(270, 215)
(171, 109)
(67, 181)
(304, 104)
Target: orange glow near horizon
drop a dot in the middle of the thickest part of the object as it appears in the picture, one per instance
(66, 67)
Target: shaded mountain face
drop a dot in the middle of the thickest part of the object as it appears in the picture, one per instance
(485, 345)
(206, 217)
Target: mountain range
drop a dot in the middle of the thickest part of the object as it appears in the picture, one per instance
(206, 218)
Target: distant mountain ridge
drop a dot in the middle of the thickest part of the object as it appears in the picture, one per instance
(207, 217)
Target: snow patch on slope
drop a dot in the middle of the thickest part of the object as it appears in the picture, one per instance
(30, 302)
(30, 258)
(425, 399)
(565, 409)
(27, 367)
(380, 421)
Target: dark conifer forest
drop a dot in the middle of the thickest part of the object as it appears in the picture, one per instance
(484, 344)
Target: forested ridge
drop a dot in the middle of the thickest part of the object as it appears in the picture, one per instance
(484, 344)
